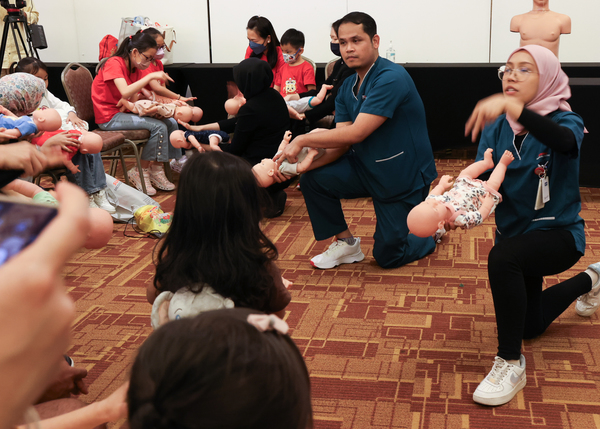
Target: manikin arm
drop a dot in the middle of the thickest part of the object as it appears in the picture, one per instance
(12, 133)
(23, 187)
(443, 186)
(72, 167)
(486, 207)
(303, 166)
(196, 143)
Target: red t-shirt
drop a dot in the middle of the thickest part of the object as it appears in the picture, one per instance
(293, 80)
(105, 94)
(278, 66)
(153, 67)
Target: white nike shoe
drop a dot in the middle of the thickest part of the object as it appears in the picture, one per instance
(503, 382)
(338, 253)
(588, 303)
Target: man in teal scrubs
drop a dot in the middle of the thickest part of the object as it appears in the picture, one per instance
(380, 116)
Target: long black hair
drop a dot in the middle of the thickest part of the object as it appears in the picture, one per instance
(29, 65)
(140, 41)
(217, 371)
(215, 236)
(263, 27)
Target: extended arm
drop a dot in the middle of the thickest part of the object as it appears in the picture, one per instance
(444, 185)
(129, 90)
(345, 134)
(553, 135)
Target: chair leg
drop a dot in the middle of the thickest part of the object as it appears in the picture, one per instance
(124, 167)
(168, 171)
(139, 166)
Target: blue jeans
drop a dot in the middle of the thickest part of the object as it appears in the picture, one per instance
(91, 177)
(158, 147)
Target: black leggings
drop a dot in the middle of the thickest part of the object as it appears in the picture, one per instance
(516, 269)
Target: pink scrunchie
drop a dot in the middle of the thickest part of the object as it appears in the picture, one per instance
(268, 322)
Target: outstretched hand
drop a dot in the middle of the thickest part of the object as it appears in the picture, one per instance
(485, 111)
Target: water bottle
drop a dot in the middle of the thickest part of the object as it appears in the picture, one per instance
(390, 54)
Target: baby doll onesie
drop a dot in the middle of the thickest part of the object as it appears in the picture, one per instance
(24, 124)
(292, 169)
(204, 136)
(464, 200)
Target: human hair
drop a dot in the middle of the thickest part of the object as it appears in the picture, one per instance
(153, 32)
(336, 25)
(294, 38)
(263, 27)
(141, 41)
(29, 65)
(358, 18)
(218, 371)
(215, 236)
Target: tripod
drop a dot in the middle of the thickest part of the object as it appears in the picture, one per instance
(12, 20)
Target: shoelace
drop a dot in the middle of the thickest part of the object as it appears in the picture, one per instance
(334, 246)
(499, 371)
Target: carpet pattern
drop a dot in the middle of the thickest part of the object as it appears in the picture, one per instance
(400, 348)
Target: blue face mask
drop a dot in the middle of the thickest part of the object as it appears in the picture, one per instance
(257, 48)
(335, 48)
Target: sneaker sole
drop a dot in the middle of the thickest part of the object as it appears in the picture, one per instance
(500, 400)
(157, 185)
(139, 188)
(350, 259)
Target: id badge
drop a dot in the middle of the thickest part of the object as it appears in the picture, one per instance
(539, 199)
(545, 189)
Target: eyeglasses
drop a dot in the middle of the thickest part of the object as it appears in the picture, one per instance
(518, 74)
(148, 59)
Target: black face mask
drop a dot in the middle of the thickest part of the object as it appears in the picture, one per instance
(335, 48)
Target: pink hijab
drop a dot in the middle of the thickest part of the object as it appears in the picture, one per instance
(553, 89)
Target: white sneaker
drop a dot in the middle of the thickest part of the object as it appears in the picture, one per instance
(338, 253)
(588, 303)
(93, 204)
(102, 202)
(503, 382)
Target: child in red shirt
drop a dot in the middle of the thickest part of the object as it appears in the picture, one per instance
(297, 75)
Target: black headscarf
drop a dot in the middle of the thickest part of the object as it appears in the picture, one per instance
(252, 77)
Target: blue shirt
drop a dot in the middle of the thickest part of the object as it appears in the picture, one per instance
(516, 213)
(396, 159)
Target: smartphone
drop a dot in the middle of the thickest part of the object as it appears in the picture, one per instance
(21, 222)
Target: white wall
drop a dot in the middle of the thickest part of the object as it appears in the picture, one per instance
(442, 31)
(74, 28)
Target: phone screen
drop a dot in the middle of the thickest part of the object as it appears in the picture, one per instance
(20, 224)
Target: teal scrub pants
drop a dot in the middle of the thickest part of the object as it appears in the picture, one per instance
(323, 189)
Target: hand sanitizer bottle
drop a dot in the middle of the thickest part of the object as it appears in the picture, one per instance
(390, 54)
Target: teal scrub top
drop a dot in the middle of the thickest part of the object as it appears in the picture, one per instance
(396, 159)
(516, 214)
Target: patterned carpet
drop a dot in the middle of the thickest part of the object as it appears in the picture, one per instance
(401, 348)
